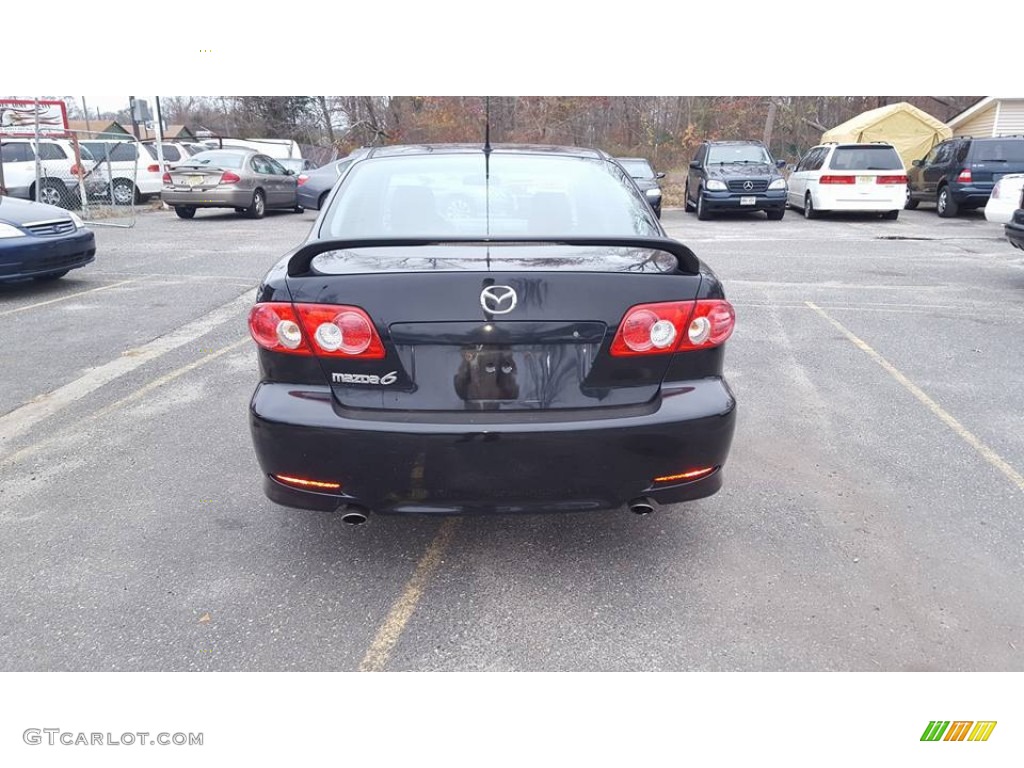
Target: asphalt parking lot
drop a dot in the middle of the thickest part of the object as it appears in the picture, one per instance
(872, 516)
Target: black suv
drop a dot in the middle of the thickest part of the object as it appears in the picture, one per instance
(735, 176)
(959, 173)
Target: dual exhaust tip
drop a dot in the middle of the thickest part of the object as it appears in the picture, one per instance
(357, 515)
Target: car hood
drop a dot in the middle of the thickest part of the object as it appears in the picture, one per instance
(20, 212)
(741, 170)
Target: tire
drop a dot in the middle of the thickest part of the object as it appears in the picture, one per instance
(321, 201)
(911, 204)
(945, 205)
(809, 211)
(702, 212)
(299, 209)
(776, 215)
(891, 215)
(124, 192)
(258, 207)
(687, 205)
(51, 276)
(185, 211)
(52, 193)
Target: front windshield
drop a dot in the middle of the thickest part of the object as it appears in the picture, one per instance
(738, 153)
(449, 195)
(217, 159)
(638, 169)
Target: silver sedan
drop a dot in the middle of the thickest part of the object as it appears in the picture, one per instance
(247, 181)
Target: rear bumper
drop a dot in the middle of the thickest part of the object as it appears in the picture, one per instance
(227, 197)
(971, 195)
(839, 197)
(479, 463)
(1015, 232)
(774, 200)
(25, 257)
(308, 198)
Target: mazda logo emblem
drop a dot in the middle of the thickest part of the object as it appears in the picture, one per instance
(498, 299)
(748, 185)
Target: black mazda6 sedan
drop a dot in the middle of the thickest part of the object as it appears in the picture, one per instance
(551, 350)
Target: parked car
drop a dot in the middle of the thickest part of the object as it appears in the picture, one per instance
(958, 174)
(131, 169)
(645, 178)
(1015, 227)
(315, 185)
(297, 165)
(735, 176)
(241, 179)
(414, 363)
(41, 241)
(59, 183)
(174, 152)
(849, 177)
(1005, 198)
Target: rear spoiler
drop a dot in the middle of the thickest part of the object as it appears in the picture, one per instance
(300, 262)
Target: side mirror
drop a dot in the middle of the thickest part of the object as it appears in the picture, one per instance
(695, 165)
(289, 172)
(659, 175)
(917, 163)
(780, 164)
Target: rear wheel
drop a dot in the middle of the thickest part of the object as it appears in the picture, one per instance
(702, 212)
(687, 205)
(911, 203)
(809, 211)
(945, 204)
(776, 215)
(185, 211)
(891, 215)
(52, 193)
(258, 207)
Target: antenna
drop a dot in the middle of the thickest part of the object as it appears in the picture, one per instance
(487, 173)
(487, 125)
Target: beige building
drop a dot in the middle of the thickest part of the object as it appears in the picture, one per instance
(992, 116)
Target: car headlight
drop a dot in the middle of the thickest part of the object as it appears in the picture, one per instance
(6, 230)
(653, 192)
(78, 222)
(778, 184)
(716, 186)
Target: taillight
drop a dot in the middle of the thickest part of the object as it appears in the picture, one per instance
(230, 178)
(329, 330)
(837, 180)
(167, 178)
(965, 176)
(154, 168)
(302, 179)
(891, 179)
(996, 189)
(654, 329)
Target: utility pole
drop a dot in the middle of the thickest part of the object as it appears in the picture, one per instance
(131, 109)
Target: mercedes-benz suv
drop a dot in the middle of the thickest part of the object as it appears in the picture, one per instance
(735, 176)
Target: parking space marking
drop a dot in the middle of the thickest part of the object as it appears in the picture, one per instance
(20, 420)
(390, 631)
(65, 298)
(968, 437)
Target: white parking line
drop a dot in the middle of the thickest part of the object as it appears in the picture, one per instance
(65, 297)
(22, 419)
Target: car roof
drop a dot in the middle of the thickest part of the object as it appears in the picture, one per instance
(396, 150)
(737, 141)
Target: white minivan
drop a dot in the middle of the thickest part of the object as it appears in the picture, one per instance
(849, 177)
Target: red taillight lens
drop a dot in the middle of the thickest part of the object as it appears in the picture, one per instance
(891, 179)
(837, 180)
(167, 178)
(685, 477)
(997, 189)
(230, 178)
(305, 483)
(154, 168)
(654, 329)
(965, 176)
(302, 179)
(332, 330)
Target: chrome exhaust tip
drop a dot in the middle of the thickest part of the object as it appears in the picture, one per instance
(642, 506)
(355, 515)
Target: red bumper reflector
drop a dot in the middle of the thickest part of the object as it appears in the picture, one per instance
(313, 485)
(684, 476)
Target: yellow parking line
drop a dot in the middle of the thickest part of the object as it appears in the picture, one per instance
(987, 453)
(65, 298)
(390, 631)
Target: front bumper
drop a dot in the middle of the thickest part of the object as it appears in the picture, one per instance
(226, 197)
(773, 200)
(30, 256)
(477, 462)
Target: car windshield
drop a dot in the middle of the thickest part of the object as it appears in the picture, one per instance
(738, 153)
(871, 158)
(451, 195)
(1009, 151)
(218, 159)
(638, 169)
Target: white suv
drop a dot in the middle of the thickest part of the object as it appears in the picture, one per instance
(849, 177)
(59, 173)
(132, 168)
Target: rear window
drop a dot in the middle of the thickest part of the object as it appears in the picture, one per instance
(116, 152)
(527, 195)
(170, 152)
(217, 159)
(865, 159)
(1006, 151)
